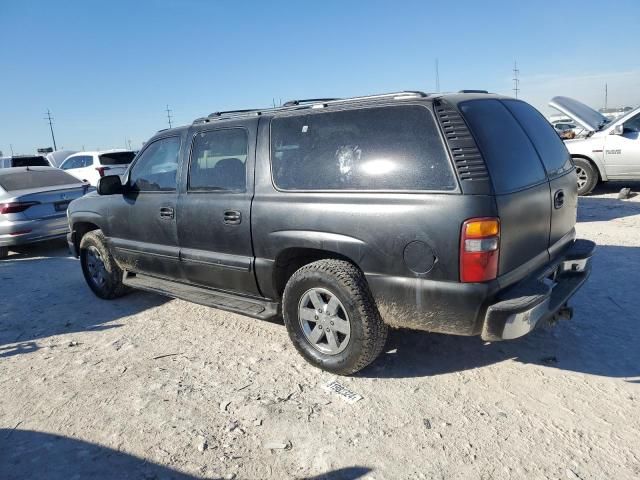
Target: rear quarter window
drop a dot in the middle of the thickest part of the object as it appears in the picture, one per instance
(509, 154)
(383, 148)
(550, 148)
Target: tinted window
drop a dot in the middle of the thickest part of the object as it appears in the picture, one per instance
(550, 148)
(156, 168)
(30, 162)
(36, 179)
(116, 158)
(633, 124)
(218, 160)
(508, 152)
(393, 148)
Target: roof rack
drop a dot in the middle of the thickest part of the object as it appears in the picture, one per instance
(473, 91)
(308, 103)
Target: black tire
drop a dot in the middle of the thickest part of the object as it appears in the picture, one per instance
(4, 252)
(368, 333)
(109, 285)
(587, 176)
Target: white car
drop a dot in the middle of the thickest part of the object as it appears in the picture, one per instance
(90, 166)
(610, 150)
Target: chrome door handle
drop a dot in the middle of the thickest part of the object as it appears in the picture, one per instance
(167, 213)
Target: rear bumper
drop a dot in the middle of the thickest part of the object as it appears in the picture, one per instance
(539, 298)
(29, 231)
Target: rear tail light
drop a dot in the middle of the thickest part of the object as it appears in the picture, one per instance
(16, 207)
(479, 249)
(101, 170)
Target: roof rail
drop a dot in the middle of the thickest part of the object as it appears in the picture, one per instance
(293, 103)
(308, 103)
(473, 91)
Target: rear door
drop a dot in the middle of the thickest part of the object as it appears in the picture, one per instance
(522, 192)
(214, 208)
(622, 152)
(560, 172)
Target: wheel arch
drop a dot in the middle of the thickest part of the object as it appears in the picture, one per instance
(79, 229)
(602, 174)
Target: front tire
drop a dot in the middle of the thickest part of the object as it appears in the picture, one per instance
(100, 270)
(587, 176)
(332, 318)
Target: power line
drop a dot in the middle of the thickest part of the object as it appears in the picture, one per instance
(516, 79)
(51, 127)
(168, 110)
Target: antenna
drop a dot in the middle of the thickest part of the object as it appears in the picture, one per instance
(437, 77)
(51, 128)
(516, 79)
(168, 110)
(11, 147)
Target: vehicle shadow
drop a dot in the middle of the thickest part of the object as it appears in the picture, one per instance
(602, 338)
(28, 455)
(599, 209)
(43, 293)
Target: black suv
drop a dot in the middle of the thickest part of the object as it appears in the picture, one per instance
(448, 213)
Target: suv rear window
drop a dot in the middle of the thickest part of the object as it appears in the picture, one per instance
(116, 158)
(506, 148)
(383, 148)
(29, 162)
(550, 147)
(36, 179)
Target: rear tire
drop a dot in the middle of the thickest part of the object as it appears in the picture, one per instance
(332, 318)
(587, 176)
(100, 270)
(4, 252)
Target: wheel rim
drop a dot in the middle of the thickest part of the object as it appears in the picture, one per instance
(583, 177)
(96, 268)
(324, 321)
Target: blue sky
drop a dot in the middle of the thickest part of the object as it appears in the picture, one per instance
(106, 69)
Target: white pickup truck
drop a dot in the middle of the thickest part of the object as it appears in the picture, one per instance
(610, 150)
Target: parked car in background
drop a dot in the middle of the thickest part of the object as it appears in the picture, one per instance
(56, 158)
(91, 166)
(24, 161)
(609, 151)
(448, 213)
(33, 204)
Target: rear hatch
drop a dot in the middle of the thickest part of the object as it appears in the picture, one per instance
(533, 180)
(44, 193)
(115, 163)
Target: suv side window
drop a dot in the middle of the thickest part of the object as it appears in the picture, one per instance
(550, 147)
(73, 162)
(156, 167)
(380, 148)
(507, 150)
(218, 160)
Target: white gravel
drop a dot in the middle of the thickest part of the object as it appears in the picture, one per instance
(147, 387)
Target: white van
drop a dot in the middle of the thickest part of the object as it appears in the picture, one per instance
(610, 149)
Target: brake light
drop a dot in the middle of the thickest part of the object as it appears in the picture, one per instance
(15, 207)
(101, 170)
(479, 249)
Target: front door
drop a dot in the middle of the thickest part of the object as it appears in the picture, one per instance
(214, 208)
(143, 221)
(622, 152)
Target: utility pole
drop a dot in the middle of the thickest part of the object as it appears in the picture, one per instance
(11, 147)
(437, 77)
(168, 110)
(516, 79)
(606, 94)
(51, 127)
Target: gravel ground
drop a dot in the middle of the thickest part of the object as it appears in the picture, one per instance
(147, 387)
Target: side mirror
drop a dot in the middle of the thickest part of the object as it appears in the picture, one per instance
(110, 185)
(617, 130)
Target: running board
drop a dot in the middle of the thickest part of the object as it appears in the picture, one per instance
(251, 307)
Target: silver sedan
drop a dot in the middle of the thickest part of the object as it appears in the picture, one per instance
(33, 204)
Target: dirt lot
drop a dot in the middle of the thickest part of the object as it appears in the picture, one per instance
(147, 387)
